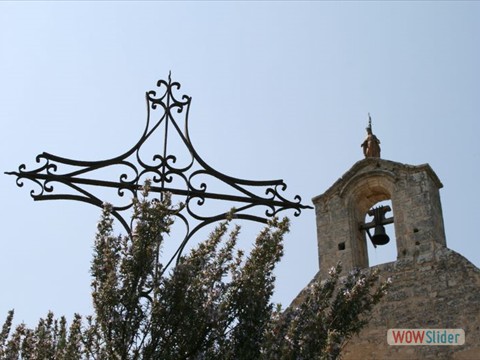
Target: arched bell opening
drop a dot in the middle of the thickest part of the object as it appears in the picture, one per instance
(373, 208)
(380, 233)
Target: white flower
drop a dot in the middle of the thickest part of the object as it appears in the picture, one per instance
(361, 282)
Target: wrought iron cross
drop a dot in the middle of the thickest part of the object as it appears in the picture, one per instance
(163, 171)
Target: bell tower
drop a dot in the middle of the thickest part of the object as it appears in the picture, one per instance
(341, 210)
(433, 287)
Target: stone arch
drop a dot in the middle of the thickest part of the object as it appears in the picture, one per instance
(361, 193)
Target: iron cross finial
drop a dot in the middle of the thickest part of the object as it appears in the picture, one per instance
(184, 178)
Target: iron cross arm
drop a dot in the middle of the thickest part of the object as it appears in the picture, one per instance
(163, 108)
(190, 193)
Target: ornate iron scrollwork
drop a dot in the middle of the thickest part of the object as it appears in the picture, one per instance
(163, 171)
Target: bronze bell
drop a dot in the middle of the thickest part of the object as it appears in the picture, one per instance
(380, 237)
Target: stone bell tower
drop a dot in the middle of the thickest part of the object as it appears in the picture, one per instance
(341, 210)
(433, 287)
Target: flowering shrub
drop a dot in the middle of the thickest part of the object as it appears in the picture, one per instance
(214, 304)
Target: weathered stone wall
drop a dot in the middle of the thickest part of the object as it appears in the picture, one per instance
(433, 286)
(437, 291)
(340, 211)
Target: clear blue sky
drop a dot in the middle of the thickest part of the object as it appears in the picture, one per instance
(280, 90)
